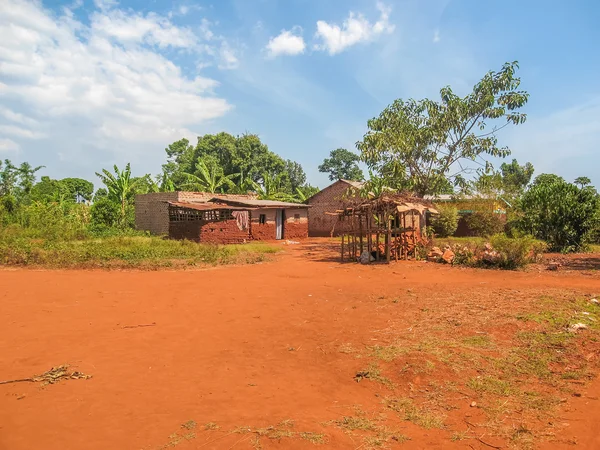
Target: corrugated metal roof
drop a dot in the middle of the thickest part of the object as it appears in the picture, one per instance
(205, 206)
(258, 203)
(356, 184)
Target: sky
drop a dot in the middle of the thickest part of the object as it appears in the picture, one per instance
(85, 84)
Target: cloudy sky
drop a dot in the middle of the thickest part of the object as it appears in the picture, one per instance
(85, 84)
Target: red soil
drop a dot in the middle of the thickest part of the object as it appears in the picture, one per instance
(237, 346)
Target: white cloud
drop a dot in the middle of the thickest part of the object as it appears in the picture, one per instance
(356, 28)
(110, 91)
(132, 28)
(105, 4)
(17, 131)
(6, 145)
(436, 36)
(286, 43)
(228, 57)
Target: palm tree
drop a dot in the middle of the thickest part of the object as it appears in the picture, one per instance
(208, 179)
(120, 186)
(270, 189)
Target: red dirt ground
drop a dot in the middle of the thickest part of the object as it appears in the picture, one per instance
(236, 346)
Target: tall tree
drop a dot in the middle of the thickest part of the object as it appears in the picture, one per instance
(342, 164)
(296, 178)
(515, 177)
(26, 173)
(582, 181)
(120, 185)
(427, 141)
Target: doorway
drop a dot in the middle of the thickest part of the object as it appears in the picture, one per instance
(279, 221)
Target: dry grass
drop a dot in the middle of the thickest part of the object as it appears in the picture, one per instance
(283, 430)
(421, 416)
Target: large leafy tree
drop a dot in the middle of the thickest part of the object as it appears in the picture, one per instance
(342, 164)
(120, 185)
(424, 142)
(559, 212)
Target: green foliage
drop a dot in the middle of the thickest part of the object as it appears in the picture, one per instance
(51, 221)
(210, 178)
(120, 187)
(516, 252)
(106, 214)
(559, 213)
(515, 177)
(342, 164)
(446, 223)
(421, 141)
(16, 248)
(484, 223)
(65, 190)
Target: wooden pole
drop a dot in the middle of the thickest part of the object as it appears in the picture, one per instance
(388, 238)
(342, 247)
(360, 230)
(369, 235)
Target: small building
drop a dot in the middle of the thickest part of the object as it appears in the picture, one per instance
(467, 205)
(332, 198)
(222, 219)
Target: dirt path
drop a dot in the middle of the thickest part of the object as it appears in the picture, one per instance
(247, 346)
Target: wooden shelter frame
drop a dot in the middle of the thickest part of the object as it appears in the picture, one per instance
(384, 227)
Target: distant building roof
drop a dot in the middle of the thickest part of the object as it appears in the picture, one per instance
(356, 184)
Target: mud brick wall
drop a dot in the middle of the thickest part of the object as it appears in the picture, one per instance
(265, 231)
(327, 200)
(223, 232)
(152, 210)
(295, 227)
(189, 229)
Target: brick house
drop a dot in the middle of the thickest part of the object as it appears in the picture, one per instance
(328, 200)
(222, 219)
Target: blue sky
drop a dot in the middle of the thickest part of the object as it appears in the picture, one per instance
(86, 84)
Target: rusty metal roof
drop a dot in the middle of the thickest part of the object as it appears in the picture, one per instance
(251, 203)
(206, 206)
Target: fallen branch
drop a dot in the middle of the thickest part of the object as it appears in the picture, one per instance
(31, 380)
(485, 443)
(141, 325)
(51, 376)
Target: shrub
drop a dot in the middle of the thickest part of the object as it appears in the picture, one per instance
(516, 252)
(560, 213)
(485, 223)
(446, 223)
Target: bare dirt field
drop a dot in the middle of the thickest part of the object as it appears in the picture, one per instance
(301, 352)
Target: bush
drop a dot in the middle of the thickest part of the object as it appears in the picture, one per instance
(516, 252)
(446, 223)
(560, 213)
(485, 223)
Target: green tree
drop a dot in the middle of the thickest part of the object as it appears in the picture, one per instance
(270, 188)
(119, 185)
(78, 189)
(515, 177)
(582, 181)
(303, 193)
(209, 178)
(26, 175)
(296, 178)
(559, 213)
(342, 164)
(425, 142)
(8, 178)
